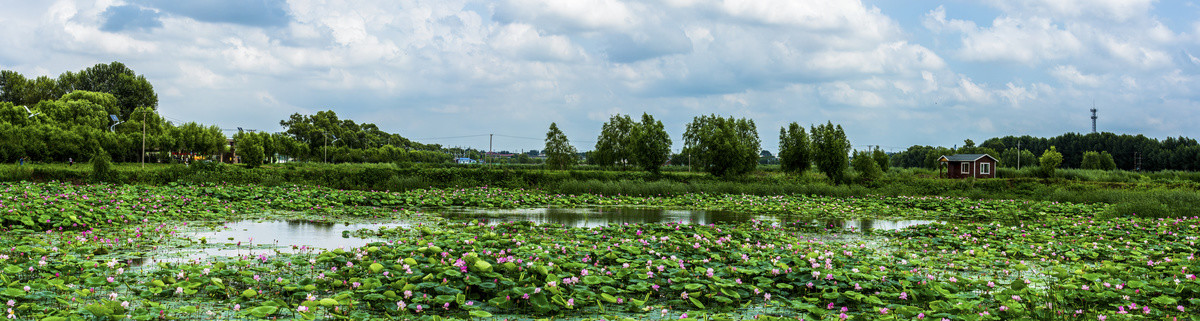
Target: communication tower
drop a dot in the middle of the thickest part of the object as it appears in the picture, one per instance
(1093, 119)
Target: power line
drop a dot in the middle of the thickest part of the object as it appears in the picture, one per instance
(450, 137)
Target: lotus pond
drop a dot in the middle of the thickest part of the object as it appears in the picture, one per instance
(100, 252)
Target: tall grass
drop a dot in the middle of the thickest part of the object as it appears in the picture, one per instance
(1160, 194)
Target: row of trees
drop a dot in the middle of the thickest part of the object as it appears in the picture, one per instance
(325, 137)
(1129, 152)
(1105, 151)
(722, 146)
(131, 90)
(623, 142)
(77, 126)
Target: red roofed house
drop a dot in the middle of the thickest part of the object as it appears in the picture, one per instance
(969, 165)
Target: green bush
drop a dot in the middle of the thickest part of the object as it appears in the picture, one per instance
(1140, 207)
(102, 168)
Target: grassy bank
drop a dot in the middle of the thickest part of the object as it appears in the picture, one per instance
(1168, 193)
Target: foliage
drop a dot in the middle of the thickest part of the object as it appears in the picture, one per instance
(130, 90)
(651, 144)
(249, 147)
(795, 154)
(324, 135)
(1091, 160)
(559, 152)
(723, 147)
(1049, 161)
(102, 167)
(1130, 152)
(616, 144)
(831, 151)
(864, 163)
(72, 253)
(882, 159)
(1102, 161)
(1014, 159)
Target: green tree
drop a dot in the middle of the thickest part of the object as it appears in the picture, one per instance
(559, 152)
(795, 154)
(130, 89)
(1049, 161)
(864, 163)
(1091, 160)
(722, 146)
(615, 146)
(102, 167)
(1106, 161)
(12, 87)
(249, 148)
(652, 145)
(831, 151)
(1009, 158)
(882, 159)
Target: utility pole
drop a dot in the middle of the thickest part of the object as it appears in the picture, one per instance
(1018, 155)
(325, 150)
(490, 148)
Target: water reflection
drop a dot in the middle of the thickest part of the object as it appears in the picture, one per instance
(868, 225)
(594, 217)
(287, 233)
(258, 238)
(266, 238)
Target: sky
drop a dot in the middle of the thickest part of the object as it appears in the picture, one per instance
(893, 73)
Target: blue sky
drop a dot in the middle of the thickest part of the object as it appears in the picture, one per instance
(893, 73)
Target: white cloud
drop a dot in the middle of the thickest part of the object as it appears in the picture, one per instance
(1115, 10)
(197, 74)
(575, 14)
(842, 93)
(1022, 40)
(970, 92)
(522, 41)
(1069, 74)
(431, 68)
(896, 57)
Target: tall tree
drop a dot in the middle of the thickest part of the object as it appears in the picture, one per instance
(722, 146)
(132, 90)
(795, 154)
(1107, 163)
(1091, 160)
(615, 146)
(652, 146)
(249, 148)
(882, 159)
(831, 151)
(866, 166)
(1049, 161)
(559, 152)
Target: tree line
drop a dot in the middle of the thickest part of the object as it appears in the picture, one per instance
(1106, 151)
(721, 146)
(77, 126)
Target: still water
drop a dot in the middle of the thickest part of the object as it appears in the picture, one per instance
(595, 217)
(265, 238)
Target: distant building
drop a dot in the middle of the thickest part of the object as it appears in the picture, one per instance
(969, 165)
(464, 160)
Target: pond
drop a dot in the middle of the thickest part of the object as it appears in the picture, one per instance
(254, 238)
(596, 217)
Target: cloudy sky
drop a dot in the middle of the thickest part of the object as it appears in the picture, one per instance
(893, 73)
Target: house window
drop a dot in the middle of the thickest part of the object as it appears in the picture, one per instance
(985, 168)
(966, 168)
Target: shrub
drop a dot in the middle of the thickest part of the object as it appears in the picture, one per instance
(102, 167)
